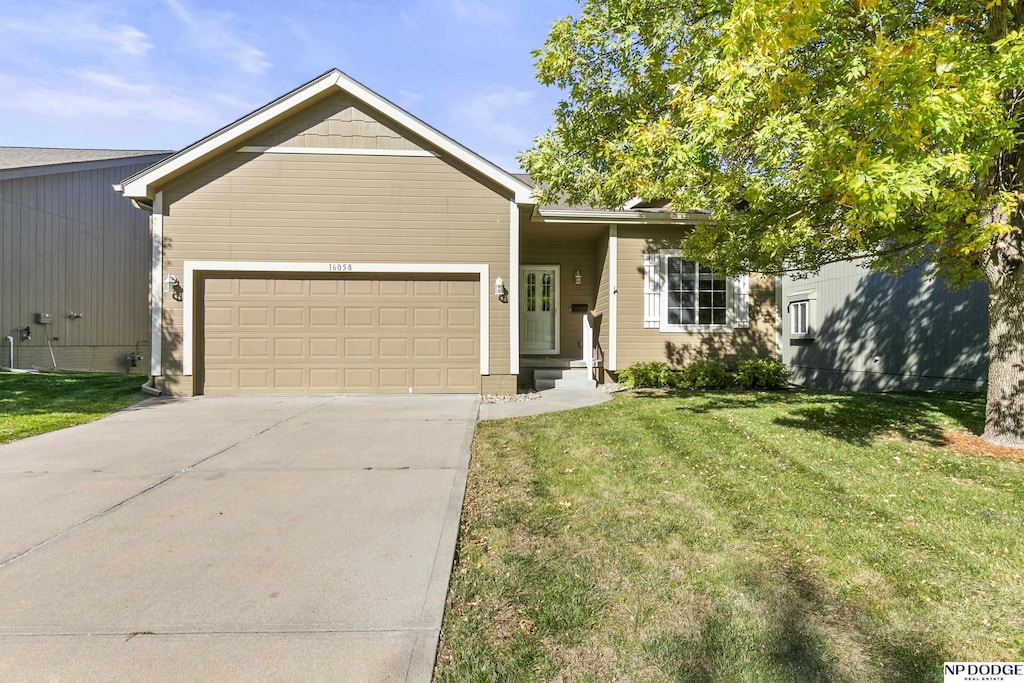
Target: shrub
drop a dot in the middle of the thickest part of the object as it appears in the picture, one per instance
(651, 374)
(761, 373)
(706, 374)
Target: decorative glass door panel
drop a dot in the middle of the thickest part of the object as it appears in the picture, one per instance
(538, 320)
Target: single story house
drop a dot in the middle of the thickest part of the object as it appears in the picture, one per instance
(332, 242)
(847, 328)
(74, 260)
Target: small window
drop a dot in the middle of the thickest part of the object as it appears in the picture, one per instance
(799, 315)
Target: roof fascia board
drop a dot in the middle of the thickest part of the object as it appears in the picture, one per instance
(521, 191)
(75, 166)
(141, 186)
(638, 217)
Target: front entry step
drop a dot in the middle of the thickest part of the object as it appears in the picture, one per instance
(563, 378)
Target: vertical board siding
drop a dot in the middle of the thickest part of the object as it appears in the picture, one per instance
(69, 242)
(871, 331)
(635, 343)
(332, 208)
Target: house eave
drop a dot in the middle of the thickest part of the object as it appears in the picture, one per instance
(619, 217)
(144, 185)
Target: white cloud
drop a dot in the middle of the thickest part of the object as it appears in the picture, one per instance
(94, 95)
(210, 31)
(85, 28)
(494, 113)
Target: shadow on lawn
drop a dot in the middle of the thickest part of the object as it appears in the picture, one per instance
(800, 647)
(858, 419)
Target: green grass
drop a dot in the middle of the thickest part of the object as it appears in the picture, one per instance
(32, 404)
(736, 537)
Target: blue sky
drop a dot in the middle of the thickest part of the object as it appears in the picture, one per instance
(160, 74)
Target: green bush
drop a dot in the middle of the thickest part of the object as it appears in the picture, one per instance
(706, 374)
(649, 375)
(761, 373)
(752, 373)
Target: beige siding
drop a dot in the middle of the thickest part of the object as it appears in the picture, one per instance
(333, 208)
(638, 344)
(337, 121)
(70, 243)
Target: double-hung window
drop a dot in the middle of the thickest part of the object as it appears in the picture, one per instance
(684, 296)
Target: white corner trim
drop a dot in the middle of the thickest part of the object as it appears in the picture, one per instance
(613, 303)
(156, 288)
(342, 151)
(229, 267)
(513, 288)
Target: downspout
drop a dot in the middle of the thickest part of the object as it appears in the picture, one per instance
(10, 342)
(148, 387)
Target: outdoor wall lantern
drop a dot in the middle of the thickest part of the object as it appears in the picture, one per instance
(171, 283)
(500, 291)
(578, 277)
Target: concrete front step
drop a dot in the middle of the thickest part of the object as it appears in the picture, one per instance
(554, 378)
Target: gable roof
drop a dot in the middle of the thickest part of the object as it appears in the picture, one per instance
(20, 162)
(141, 186)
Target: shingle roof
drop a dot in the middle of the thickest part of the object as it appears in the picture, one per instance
(27, 157)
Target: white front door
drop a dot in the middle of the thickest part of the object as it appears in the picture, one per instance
(538, 323)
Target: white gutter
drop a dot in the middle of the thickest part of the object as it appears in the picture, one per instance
(605, 216)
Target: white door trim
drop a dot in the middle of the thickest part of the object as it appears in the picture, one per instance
(557, 312)
(281, 267)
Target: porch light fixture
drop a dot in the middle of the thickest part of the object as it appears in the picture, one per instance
(171, 283)
(578, 277)
(500, 291)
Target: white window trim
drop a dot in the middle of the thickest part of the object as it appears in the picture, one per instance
(806, 305)
(285, 267)
(809, 297)
(664, 255)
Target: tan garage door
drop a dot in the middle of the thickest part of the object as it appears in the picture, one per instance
(350, 334)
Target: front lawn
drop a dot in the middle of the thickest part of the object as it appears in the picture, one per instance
(32, 403)
(739, 537)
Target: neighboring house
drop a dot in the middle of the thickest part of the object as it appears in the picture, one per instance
(851, 329)
(331, 242)
(74, 259)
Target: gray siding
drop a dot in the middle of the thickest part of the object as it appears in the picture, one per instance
(873, 332)
(70, 243)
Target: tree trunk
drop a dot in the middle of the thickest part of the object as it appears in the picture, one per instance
(1004, 411)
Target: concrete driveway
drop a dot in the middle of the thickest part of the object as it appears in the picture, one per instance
(267, 538)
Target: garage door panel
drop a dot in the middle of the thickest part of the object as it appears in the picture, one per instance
(253, 316)
(394, 317)
(426, 317)
(359, 317)
(322, 316)
(390, 349)
(348, 334)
